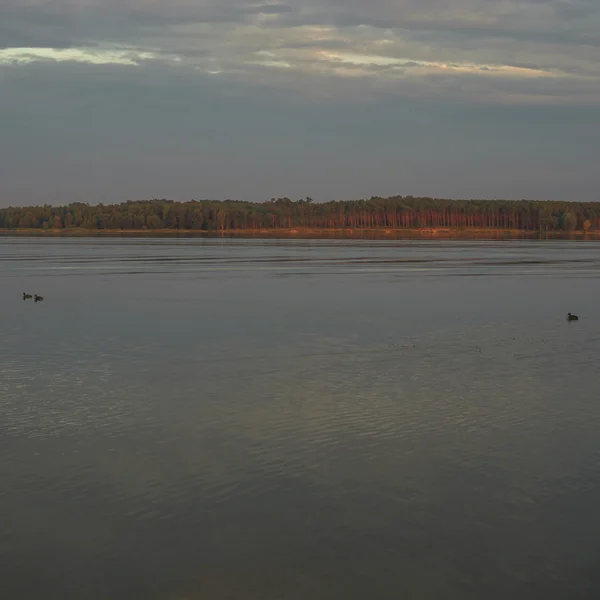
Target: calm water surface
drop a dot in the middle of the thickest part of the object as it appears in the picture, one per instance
(268, 420)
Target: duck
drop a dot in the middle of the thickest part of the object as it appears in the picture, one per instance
(37, 298)
(26, 296)
(571, 317)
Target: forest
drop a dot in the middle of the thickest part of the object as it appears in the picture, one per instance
(395, 212)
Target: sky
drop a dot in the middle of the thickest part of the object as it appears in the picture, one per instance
(113, 100)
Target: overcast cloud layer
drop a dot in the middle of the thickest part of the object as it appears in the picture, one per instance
(106, 100)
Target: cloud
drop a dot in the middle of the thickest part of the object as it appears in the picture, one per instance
(105, 100)
(408, 47)
(18, 56)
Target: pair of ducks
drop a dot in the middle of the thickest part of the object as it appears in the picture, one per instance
(35, 297)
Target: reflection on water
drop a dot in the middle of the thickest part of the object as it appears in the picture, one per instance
(295, 419)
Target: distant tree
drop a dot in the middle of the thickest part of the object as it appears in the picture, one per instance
(568, 221)
(376, 212)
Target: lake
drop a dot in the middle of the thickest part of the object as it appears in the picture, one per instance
(294, 419)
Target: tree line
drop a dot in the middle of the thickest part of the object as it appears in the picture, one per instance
(283, 213)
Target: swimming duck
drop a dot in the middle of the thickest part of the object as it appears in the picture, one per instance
(571, 317)
(37, 298)
(26, 296)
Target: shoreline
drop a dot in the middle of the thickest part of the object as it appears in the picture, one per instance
(315, 233)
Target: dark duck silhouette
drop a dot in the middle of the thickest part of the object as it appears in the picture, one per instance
(37, 298)
(26, 296)
(571, 317)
